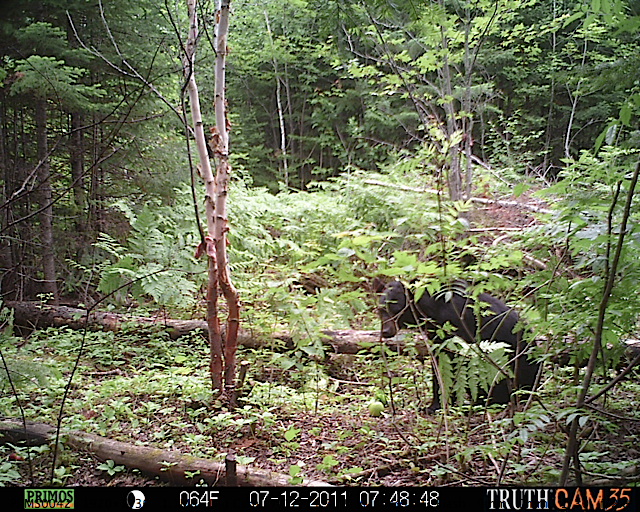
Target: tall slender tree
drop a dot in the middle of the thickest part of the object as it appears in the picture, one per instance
(214, 244)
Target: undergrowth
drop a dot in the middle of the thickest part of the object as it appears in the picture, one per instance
(163, 399)
(303, 262)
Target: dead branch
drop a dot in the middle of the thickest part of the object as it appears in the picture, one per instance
(479, 200)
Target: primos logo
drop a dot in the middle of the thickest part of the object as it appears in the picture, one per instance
(48, 498)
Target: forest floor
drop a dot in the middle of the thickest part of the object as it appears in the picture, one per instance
(312, 419)
(329, 435)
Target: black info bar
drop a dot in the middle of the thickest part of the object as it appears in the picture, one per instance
(610, 499)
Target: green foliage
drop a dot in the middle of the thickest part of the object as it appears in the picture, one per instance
(295, 472)
(319, 113)
(151, 388)
(43, 38)
(586, 228)
(24, 372)
(327, 464)
(8, 473)
(110, 467)
(157, 261)
(45, 72)
(290, 228)
(47, 77)
(527, 423)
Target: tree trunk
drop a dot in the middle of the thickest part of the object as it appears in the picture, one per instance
(95, 196)
(213, 323)
(46, 214)
(547, 160)
(454, 178)
(17, 186)
(169, 466)
(216, 190)
(283, 137)
(223, 170)
(574, 98)
(76, 161)
(8, 276)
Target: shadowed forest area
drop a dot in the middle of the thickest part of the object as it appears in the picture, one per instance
(198, 199)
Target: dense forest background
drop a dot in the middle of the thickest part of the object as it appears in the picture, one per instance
(360, 132)
(315, 91)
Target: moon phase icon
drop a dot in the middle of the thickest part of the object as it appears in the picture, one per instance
(135, 500)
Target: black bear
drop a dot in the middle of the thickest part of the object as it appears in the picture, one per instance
(398, 309)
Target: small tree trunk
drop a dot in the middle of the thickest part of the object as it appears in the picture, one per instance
(546, 162)
(215, 339)
(283, 138)
(7, 267)
(76, 161)
(95, 195)
(223, 170)
(454, 178)
(216, 190)
(571, 453)
(467, 120)
(574, 106)
(46, 215)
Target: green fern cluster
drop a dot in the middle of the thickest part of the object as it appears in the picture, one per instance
(465, 368)
(157, 260)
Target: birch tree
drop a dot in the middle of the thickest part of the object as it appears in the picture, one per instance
(214, 243)
(283, 138)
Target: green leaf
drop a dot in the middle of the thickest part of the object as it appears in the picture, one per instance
(625, 114)
(291, 434)
(519, 189)
(361, 240)
(294, 470)
(345, 252)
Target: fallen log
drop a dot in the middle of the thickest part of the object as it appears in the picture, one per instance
(35, 315)
(169, 466)
(32, 315)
